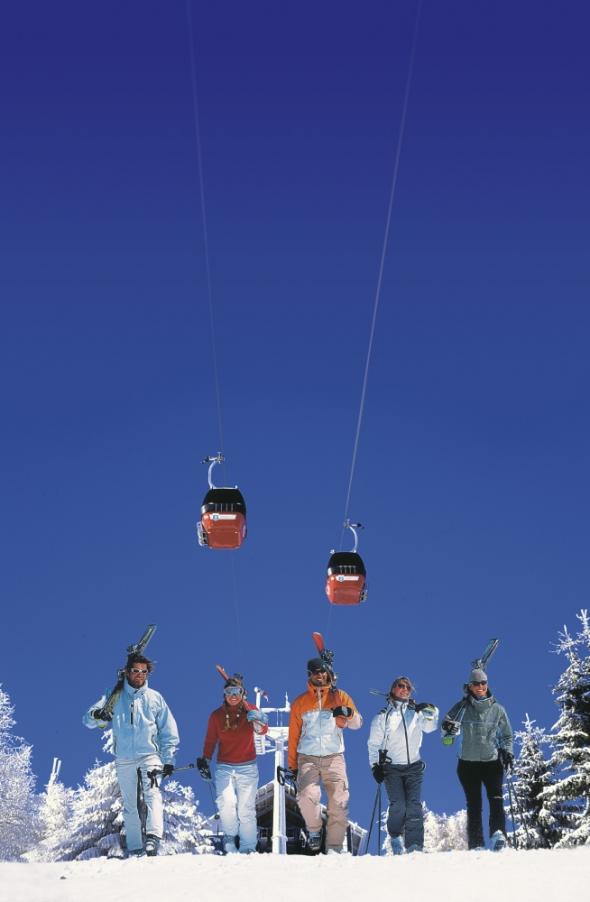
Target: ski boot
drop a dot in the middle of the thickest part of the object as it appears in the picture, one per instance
(497, 841)
(314, 841)
(397, 845)
(152, 844)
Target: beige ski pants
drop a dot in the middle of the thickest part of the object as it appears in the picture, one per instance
(330, 770)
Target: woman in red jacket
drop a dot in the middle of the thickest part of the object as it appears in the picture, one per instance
(231, 729)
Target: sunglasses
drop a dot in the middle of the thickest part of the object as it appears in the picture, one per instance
(403, 686)
(137, 670)
(233, 690)
(479, 683)
(317, 672)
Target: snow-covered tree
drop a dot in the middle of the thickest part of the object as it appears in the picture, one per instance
(53, 817)
(96, 818)
(185, 828)
(536, 825)
(17, 783)
(443, 832)
(568, 798)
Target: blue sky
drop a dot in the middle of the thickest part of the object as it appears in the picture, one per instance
(471, 476)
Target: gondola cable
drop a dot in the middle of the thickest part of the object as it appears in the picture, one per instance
(241, 532)
(195, 99)
(347, 523)
(382, 263)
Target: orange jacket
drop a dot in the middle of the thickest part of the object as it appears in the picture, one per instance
(312, 726)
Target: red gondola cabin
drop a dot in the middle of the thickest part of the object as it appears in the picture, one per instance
(346, 578)
(223, 518)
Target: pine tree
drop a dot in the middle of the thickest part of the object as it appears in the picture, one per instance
(96, 818)
(443, 832)
(53, 817)
(17, 799)
(536, 824)
(185, 828)
(568, 798)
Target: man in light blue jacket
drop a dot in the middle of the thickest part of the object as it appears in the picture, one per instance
(394, 756)
(145, 737)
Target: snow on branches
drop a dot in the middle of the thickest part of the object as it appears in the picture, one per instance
(17, 800)
(568, 797)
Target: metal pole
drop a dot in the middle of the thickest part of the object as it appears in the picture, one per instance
(279, 820)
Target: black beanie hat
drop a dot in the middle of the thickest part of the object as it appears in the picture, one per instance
(317, 664)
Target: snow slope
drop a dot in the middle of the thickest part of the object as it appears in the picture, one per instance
(453, 876)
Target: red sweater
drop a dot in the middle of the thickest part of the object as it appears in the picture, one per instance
(229, 729)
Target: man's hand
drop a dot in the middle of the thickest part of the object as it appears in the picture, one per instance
(101, 714)
(167, 770)
(507, 759)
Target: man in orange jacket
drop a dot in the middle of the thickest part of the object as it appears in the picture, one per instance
(316, 754)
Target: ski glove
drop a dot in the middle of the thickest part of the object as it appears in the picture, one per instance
(507, 759)
(204, 769)
(342, 711)
(287, 777)
(378, 773)
(427, 707)
(101, 714)
(256, 715)
(451, 727)
(167, 770)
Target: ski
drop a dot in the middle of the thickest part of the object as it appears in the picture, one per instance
(477, 664)
(325, 654)
(222, 672)
(136, 649)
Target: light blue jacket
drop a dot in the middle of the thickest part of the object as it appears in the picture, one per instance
(142, 725)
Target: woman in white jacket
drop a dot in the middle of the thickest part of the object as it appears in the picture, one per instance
(394, 755)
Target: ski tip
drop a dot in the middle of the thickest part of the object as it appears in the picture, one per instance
(221, 671)
(318, 640)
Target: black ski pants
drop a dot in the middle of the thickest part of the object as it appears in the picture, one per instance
(472, 775)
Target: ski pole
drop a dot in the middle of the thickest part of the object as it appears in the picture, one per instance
(519, 811)
(377, 798)
(511, 803)
(379, 824)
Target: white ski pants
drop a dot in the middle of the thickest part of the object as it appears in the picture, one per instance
(128, 777)
(236, 786)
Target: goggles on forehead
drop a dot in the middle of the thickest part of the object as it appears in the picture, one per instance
(233, 690)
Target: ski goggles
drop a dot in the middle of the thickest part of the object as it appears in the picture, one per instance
(137, 670)
(233, 691)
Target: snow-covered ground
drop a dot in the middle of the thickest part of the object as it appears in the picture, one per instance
(450, 876)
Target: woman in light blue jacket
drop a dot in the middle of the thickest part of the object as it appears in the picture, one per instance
(145, 736)
(394, 755)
